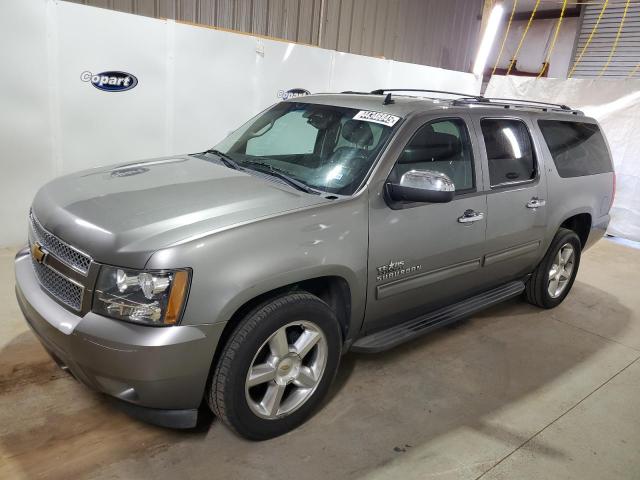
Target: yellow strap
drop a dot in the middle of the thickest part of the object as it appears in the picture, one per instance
(633, 72)
(586, 45)
(545, 64)
(615, 42)
(524, 34)
(506, 34)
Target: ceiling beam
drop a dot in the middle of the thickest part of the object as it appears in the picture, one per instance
(547, 14)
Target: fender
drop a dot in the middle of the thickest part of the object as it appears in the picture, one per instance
(234, 266)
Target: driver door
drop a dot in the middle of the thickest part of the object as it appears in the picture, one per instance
(424, 255)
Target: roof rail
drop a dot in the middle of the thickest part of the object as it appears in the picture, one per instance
(466, 99)
(519, 101)
(382, 91)
(514, 102)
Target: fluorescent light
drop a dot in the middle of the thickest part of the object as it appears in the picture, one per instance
(289, 51)
(515, 147)
(487, 39)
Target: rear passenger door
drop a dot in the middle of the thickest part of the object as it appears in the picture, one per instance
(516, 196)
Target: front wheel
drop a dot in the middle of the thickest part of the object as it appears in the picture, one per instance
(552, 279)
(277, 366)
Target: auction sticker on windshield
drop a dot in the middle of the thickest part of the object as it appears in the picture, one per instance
(377, 117)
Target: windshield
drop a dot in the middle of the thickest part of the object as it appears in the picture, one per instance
(321, 146)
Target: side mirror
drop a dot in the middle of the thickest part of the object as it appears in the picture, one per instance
(423, 186)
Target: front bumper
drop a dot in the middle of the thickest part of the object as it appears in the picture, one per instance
(160, 372)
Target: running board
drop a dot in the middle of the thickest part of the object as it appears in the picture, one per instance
(391, 337)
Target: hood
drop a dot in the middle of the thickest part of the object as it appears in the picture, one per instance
(120, 215)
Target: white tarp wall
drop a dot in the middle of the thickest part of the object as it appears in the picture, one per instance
(195, 85)
(616, 105)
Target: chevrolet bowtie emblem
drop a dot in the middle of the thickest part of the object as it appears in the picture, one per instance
(37, 252)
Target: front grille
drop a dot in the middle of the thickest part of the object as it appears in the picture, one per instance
(59, 287)
(64, 252)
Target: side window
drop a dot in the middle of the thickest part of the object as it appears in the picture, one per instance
(442, 146)
(509, 151)
(577, 148)
(299, 134)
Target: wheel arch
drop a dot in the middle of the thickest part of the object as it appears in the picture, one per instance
(580, 223)
(332, 289)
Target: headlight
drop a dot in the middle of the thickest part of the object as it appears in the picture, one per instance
(149, 297)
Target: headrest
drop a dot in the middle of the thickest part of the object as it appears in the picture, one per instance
(429, 138)
(355, 131)
(431, 146)
(320, 118)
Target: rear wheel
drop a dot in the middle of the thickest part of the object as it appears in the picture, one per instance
(277, 366)
(552, 279)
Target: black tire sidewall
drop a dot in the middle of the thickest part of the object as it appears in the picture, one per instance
(563, 237)
(238, 413)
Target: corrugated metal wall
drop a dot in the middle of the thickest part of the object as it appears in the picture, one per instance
(627, 53)
(430, 32)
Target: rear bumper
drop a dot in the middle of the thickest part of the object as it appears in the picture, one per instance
(160, 373)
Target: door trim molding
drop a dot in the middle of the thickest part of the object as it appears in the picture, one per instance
(511, 252)
(400, 286)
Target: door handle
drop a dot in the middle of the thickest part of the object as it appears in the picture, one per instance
(536, 202)
(470, 216)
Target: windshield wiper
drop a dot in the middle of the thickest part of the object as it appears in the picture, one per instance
(266, 168)
(269, 170)
(226, 159)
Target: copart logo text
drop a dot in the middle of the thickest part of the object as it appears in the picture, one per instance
(294, 92)
(111, 81)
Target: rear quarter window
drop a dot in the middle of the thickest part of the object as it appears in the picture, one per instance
(577, 148)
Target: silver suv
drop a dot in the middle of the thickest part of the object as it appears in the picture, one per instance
(327, 223)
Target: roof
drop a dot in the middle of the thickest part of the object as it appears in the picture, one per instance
(403, 104)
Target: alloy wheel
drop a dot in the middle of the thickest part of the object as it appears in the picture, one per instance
(286, 370)
(561, 270)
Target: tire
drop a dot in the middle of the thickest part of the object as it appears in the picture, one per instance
(300, 377)
(539, 287)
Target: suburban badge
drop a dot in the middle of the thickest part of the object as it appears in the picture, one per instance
(394, 269)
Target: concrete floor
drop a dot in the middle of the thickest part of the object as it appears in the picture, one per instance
(515, 392)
